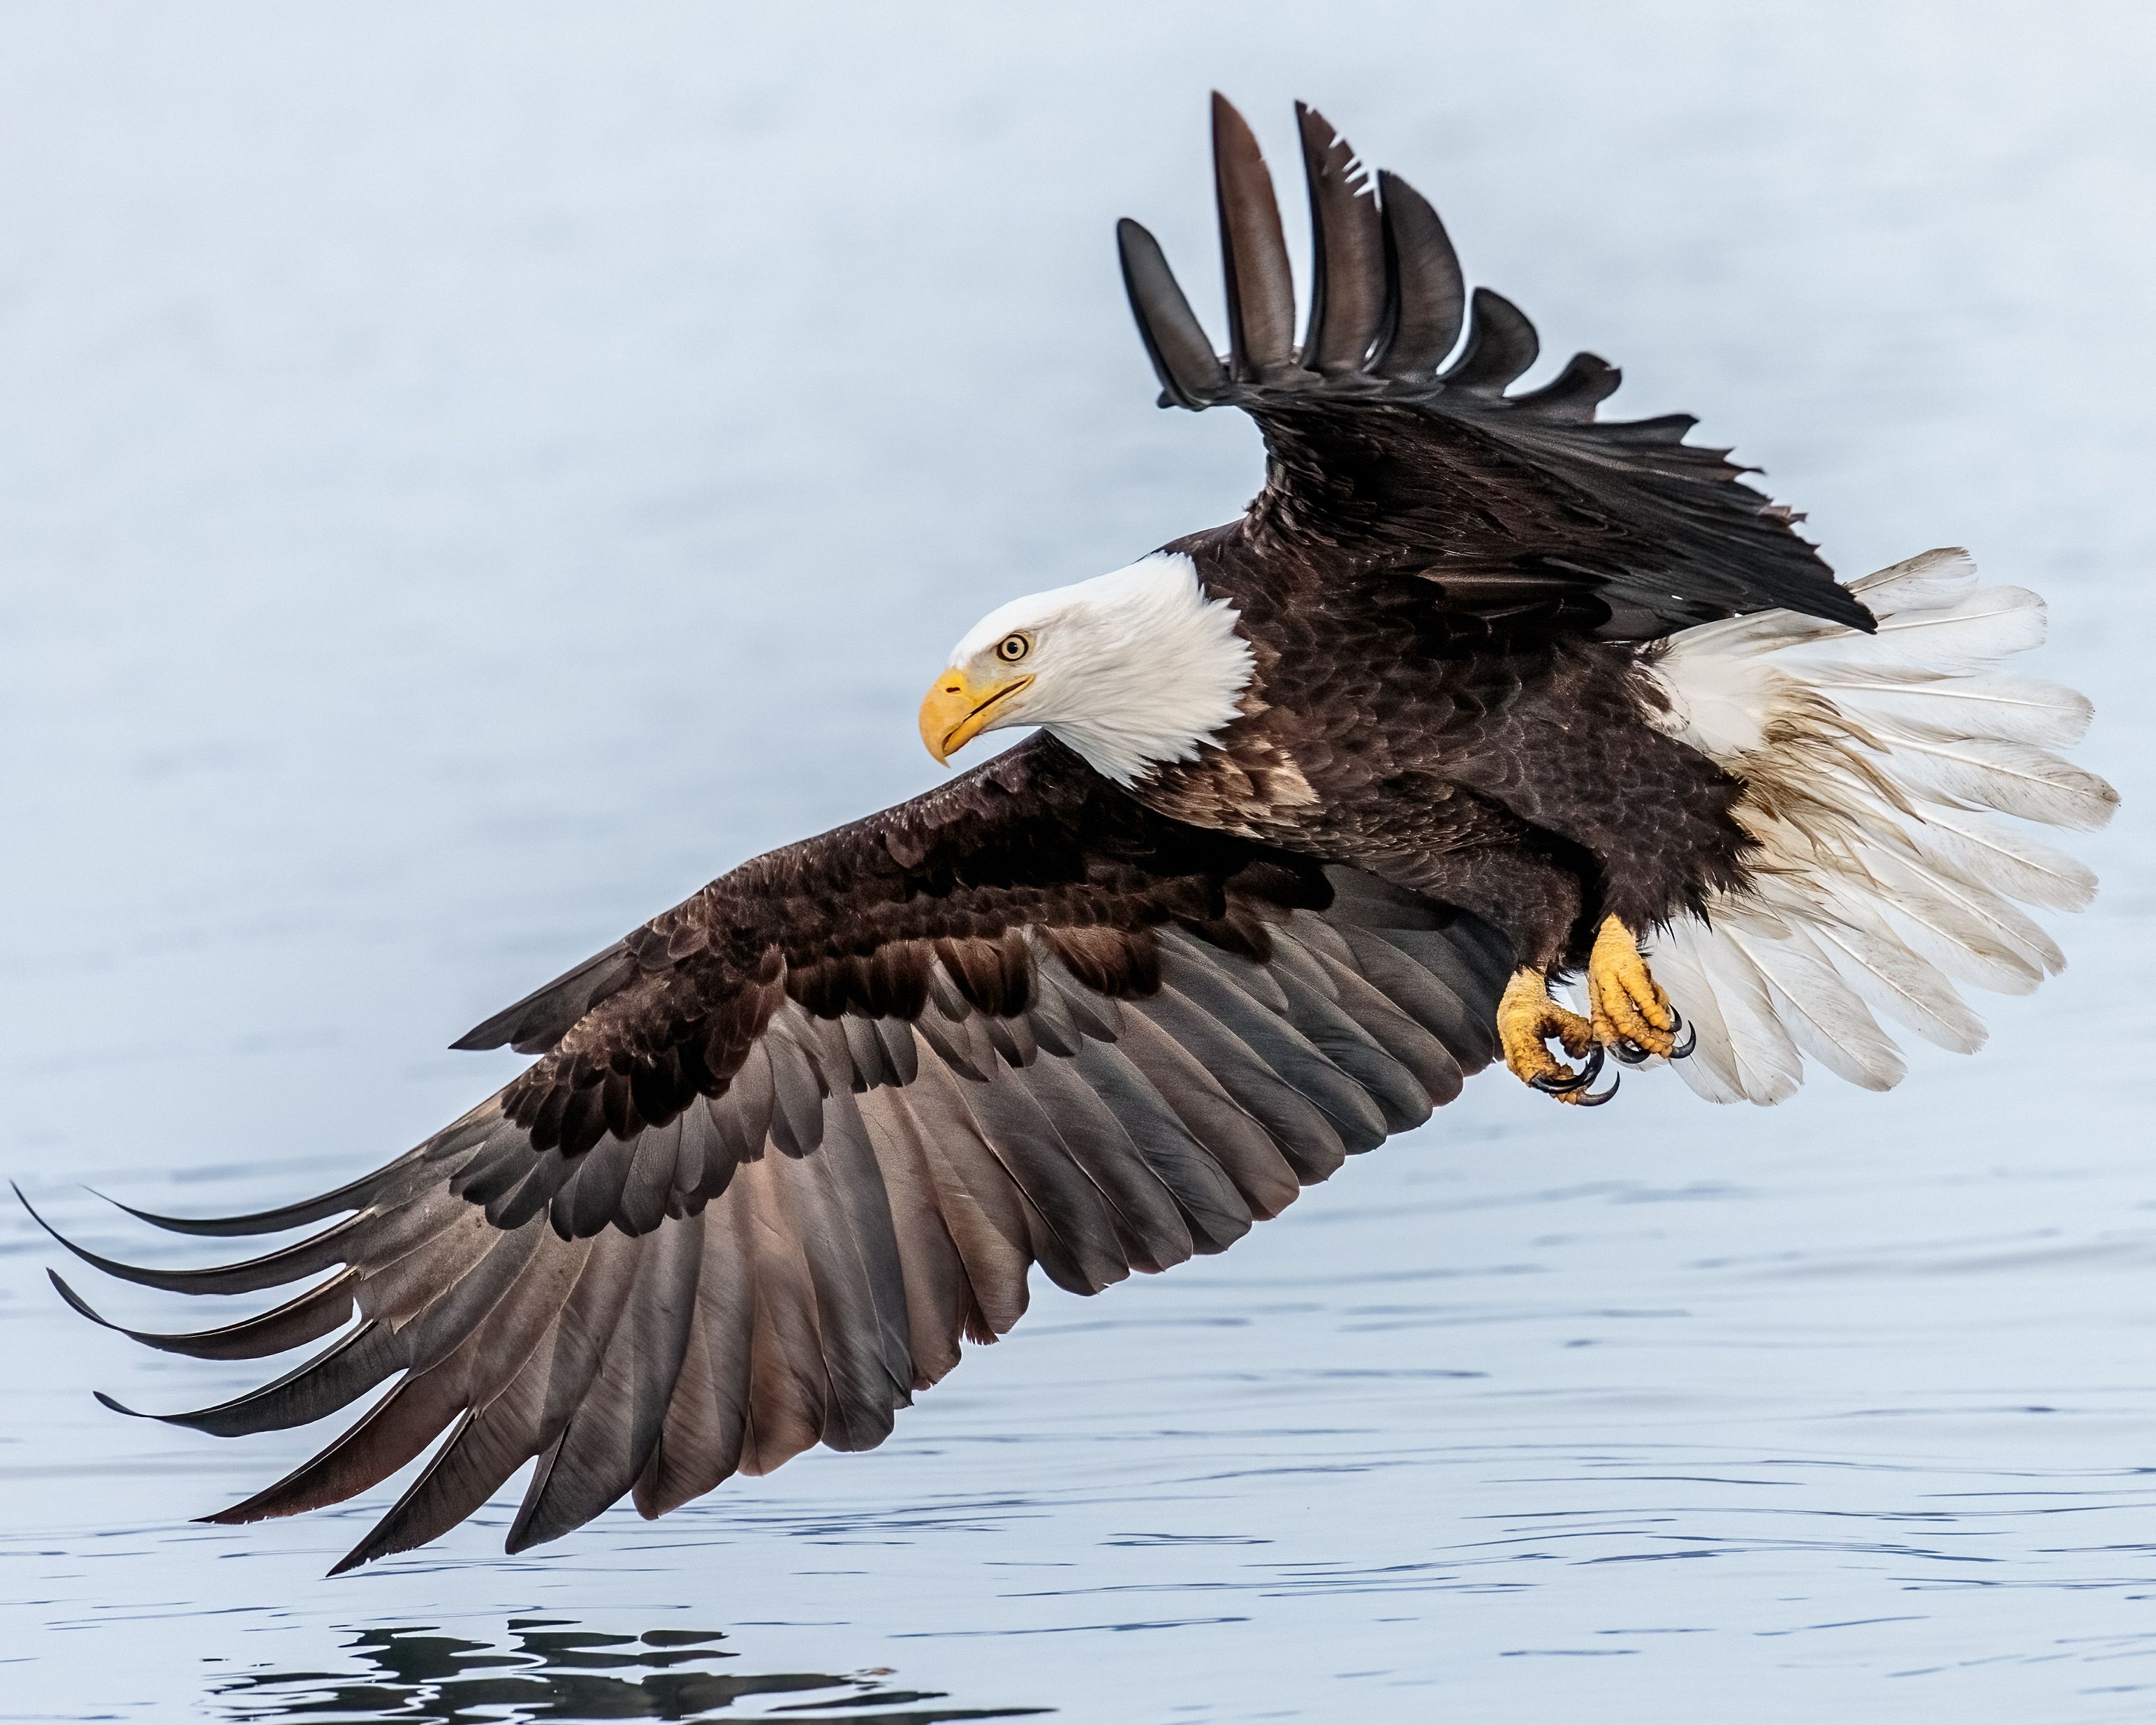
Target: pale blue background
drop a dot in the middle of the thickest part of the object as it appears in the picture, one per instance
(469, 473)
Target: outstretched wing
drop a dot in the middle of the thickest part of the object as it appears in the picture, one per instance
(789, 1141)
(1386, 459)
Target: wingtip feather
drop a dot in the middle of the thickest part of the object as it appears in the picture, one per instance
(77, 1303)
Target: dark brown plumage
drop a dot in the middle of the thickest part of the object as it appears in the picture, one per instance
(784, 1146)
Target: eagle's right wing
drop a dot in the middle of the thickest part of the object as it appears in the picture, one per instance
(786, 1143)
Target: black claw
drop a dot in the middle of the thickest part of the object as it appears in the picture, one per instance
(1595, 1099)
(1629, 1051)
(1590, 1070)
(1691, 1041)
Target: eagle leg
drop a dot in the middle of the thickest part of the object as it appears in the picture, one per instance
(1527, 1020)
(1632, 1017)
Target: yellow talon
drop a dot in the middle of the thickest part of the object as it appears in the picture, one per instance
(1527, 1018)
(1630, 1016)
(1627, 1003)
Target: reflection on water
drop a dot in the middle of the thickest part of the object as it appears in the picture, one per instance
(554, 1670)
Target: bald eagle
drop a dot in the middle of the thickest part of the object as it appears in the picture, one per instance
(1493, 729)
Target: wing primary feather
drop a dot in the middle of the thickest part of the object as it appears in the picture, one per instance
(318, 1251)
(357, 1195)
(1190, 373)
(1426, 294)
(1347, 251)
(481, 1451)
(392, 1432)
(467, 1300)
(494, 1337)
(1501, 345)
(514, 1363)
(1253, 254)
(489, 1444)
(308, 1318)
(331, 1379)
(355, 1362)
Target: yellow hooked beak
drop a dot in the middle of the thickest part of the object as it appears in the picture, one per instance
(956, 709)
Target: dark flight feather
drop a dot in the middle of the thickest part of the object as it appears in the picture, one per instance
(305, 1318)
(1253, 254)
(1089, 1082)
(1425, 291)
(1502, 344)
(1347, 283)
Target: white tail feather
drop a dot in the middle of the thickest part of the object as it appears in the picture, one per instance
(1768, 1066)
(1892, 979)
(1877, 887)
(1956, 640)
(2009, 776)
(1823, 1015)
(1711, 1070)
(1927, 582)
(1926, 705)
(2020, 866)
(2003, 949)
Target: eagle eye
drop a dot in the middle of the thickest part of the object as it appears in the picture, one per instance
(1013, 648)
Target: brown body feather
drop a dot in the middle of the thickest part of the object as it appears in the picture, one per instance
(1525, 782)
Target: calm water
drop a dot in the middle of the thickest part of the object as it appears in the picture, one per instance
(467, 474)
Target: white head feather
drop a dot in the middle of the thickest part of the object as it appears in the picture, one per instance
(1132, 669)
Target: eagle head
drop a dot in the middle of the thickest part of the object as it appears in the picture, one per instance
(1131, 670)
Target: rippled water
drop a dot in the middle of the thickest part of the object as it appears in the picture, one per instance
(466, 474)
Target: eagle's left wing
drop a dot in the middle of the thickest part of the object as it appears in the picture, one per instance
(1525, 513)
(785, 1144)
